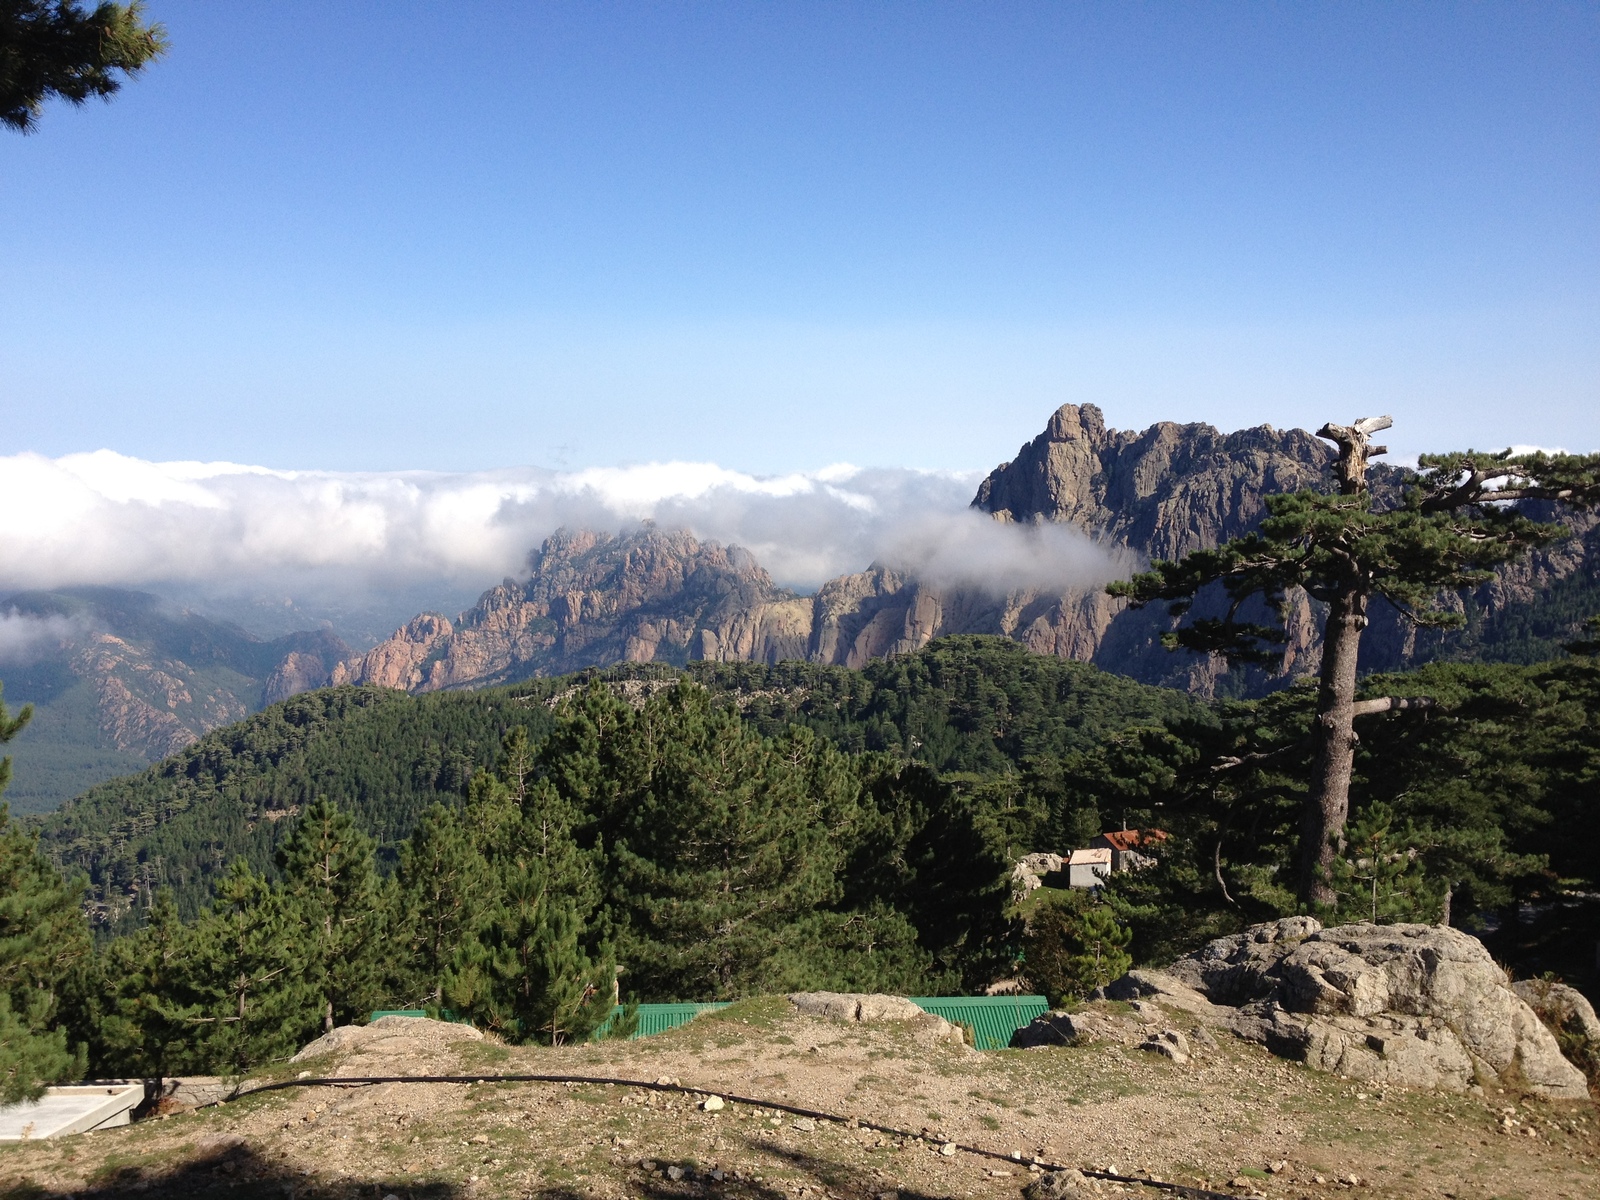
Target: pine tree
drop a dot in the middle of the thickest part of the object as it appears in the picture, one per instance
(43, 934)
(444, 884)
(336, 904)
(717, 855)
(1074, 945)
(54, 48)
(1380, 876)
(245, 977)
(531, 966)
(1452, 527)
(150, 1021)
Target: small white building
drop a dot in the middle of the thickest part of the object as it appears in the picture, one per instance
(1089, 868)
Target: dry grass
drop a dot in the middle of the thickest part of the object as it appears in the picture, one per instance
(1230, 1115)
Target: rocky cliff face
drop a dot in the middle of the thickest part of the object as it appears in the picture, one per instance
(598, 598)
(1161, 493)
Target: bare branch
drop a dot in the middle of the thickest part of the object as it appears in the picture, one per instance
(1365, 708)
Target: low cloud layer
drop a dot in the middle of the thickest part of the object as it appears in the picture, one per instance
(104, 518)
(25, 637)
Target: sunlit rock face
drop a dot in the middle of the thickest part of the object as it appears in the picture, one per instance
(663, 595)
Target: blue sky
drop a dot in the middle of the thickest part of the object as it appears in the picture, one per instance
(776, 236)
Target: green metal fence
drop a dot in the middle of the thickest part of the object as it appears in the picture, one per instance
(658, 1018)
(992, 1019)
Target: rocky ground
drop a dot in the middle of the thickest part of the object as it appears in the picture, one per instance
(1233, 1118)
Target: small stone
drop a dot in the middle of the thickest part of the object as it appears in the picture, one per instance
(666, 1081)
(647, 1164)
(948, 1149)
(480, 1139)
(675, 1172)
(1279, 1167)
(1352, 1180)
(718, 1175)
(887, 1196)
(804, 1124)
(1168, 1043)
(1058, 1185)
(1319, 1179)
(712, 1104)
(999, 1174)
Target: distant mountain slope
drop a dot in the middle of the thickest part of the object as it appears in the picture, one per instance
(965, 705)
(656, 595)
(120, 679)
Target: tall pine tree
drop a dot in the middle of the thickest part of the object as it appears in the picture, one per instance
(245, 977)
(720, 850)
(531, 965)
(1452, 527)
(336, 904)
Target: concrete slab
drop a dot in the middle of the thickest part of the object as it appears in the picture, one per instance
(75, 1108)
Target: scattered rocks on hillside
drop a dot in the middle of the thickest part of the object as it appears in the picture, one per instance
(1058, 1185)
(1415, 1005)
(874, 1007)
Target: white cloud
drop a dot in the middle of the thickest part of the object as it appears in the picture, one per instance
(105, 518)
(25, 637)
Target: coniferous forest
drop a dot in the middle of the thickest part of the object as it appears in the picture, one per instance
(527, 857)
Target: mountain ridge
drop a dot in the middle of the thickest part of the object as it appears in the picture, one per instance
(657, 595)
(122, 678)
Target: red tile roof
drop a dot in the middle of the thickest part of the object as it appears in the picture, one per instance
(1132, 839)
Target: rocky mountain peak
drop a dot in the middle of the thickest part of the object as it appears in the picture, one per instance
(591, 597)
(1163, 492)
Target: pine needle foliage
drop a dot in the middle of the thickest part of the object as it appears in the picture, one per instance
(55, 48)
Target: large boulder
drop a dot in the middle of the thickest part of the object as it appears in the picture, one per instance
(1031, 869)
(872, 1007)
(1416, 1005)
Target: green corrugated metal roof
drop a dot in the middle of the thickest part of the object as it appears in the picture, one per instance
(992, 1019)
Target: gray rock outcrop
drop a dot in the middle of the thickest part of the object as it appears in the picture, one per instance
(1415, 1005)
(1031, 869)
(867, 1008)
(1561, 1007)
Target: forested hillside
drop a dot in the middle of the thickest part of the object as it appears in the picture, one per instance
(980, 706)
(510, 853)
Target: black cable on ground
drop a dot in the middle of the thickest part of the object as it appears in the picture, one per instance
(1176, 1189)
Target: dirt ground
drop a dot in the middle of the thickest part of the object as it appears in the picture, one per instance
(1235, 1119)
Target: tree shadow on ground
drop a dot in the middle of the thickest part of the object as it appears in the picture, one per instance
(819, 1174)
(233, 1172)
